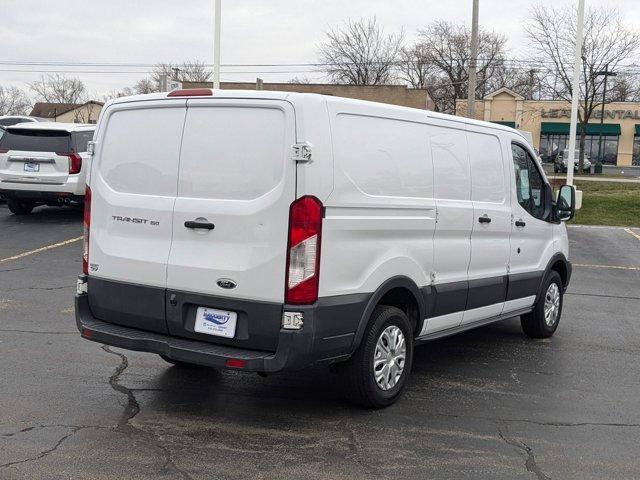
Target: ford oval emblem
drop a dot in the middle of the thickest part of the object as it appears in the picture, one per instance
(226, 283)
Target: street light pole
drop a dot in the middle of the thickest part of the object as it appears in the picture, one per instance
(606, 73)
(473, 62)
(575, 93)
(216, 46)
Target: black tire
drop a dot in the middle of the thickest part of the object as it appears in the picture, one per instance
(20, 208)
(535, 324)
(358, 373)
(178, 363)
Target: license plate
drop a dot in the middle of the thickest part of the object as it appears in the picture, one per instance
(31, 167)
(220, 323)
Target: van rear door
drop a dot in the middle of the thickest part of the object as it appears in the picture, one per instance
(236, 183)
(134, 185)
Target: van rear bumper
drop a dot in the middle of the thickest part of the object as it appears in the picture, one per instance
(313, 344)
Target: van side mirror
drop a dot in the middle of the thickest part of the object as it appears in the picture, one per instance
(566, 203)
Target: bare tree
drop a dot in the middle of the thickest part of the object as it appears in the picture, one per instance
(361, 53)
(446, 47)
(14, 101)
(416, 67)
(57, 88)
(623, 88)
(300, 80)
(526, 82)
(146, 85)
(188, 71)
(607, 43)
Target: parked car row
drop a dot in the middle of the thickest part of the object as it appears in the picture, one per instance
(44, 163)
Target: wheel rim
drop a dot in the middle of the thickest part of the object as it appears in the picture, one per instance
(389, 357)
(552, 304)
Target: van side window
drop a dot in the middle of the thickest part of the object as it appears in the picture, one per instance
(529, 182)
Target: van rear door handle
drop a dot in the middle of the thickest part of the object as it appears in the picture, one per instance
(484, 219)
(520, 223)
(201, 225)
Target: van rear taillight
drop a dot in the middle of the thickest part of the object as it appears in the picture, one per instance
(303, 252)
(75, 162)
(86, 229)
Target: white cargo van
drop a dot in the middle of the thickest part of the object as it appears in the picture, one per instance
(270, 231)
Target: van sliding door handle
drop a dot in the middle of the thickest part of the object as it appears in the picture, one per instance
(484, 219)
(520, 223)
(201, 225)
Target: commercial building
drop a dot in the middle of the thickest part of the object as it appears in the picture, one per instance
(548, 122)
(87, 112)
(392, 94)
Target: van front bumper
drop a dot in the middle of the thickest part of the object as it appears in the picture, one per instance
(296, 349)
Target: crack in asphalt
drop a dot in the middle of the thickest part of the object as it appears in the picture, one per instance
(46, 452)
(600, 295)
(544, 424)
(38, 333)
(12, 269)
(530, 459)
(132, 409)
(40, 288)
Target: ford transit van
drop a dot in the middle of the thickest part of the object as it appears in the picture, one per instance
(270, 231)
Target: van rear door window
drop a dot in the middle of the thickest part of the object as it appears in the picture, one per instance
(232, 153)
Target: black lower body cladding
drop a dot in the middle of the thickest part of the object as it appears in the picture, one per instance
(162, 321)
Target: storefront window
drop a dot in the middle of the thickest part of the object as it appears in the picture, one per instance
(636, 150)
(552, 144)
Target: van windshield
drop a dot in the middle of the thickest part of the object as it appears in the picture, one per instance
(36, 140)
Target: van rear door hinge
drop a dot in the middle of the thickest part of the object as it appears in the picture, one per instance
(302, 152)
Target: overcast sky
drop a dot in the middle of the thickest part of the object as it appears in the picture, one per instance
(253, 32)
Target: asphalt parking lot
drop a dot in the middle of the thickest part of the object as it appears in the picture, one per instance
(485, 404)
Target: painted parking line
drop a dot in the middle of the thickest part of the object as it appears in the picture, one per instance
(618, 267)
(41, 249)
(631, 232)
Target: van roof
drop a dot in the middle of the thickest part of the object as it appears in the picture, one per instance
(299, 97)
(67, 127)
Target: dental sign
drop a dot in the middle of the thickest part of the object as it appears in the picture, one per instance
(611, 114)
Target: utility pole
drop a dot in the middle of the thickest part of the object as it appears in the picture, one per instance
(473, 62)
(532, 82)
(606, 73)
(575, 93)
(216, 45)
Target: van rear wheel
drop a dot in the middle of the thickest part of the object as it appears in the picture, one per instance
(543, 321)
(20, 208)
(376, 374)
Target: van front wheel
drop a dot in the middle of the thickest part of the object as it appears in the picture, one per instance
(543, 321)
(377, 372)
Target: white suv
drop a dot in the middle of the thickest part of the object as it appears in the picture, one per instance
(44, 163)
(268, 231)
